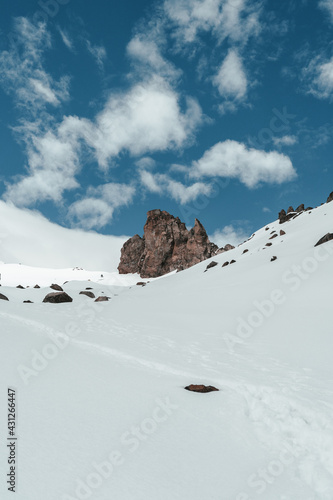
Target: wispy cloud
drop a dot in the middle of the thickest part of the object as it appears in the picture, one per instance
(99, 54)
(66, 39)
(164, 184)
(22, 73)
(328, 6)
(237, 20)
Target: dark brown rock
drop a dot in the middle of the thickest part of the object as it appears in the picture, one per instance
(225, 264)
(324, 239)
(330, 198)
(3, 297)
(282, 232)
(290, 210)
(56, 287)
(211, 264)
(268, 244)
(20, 287)
(132, 256)
(88, 294)
(27, 302)
(274, 236)
(273, 258)
(245, 251)
(89, 288)
(300, 208)
(141, 283)
(57, 298)
(36, 286)
(232, 262)
(103, 298)
(201, 388)
(167, 245)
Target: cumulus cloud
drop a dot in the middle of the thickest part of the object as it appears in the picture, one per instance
(231, 80)
(97, 209)
(250, 166)
(145, 119)
(229, 234)
(164, 184)
(21, 69)
(149, 116)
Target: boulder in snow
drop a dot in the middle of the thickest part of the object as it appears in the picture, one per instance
(201, 388)
(324, 239)
(57, 298)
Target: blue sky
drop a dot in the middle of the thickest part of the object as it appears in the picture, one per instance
(215, 109)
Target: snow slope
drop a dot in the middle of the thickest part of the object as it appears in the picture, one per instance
(28, 238)
(102, 410)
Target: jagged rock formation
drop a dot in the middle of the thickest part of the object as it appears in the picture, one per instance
(167, 245)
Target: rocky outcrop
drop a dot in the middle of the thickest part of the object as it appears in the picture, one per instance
(167, 245)
(3, 297)
(330, 198)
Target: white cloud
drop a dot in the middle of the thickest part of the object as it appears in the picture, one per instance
(234, 19)
(144, 50)
(22, 73)
(98, 52)
(97, 209)
(231, 79)
(266, 210)
(286, 140)
(327, 5)
(66, 39)
(323, 81)
(146, 163)
(229, 235)
(164, 184)
(232, 159)
(145, 119)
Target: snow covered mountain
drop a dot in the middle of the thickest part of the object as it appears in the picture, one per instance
(102, 410)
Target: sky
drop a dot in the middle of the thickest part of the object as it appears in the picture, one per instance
(219, 110)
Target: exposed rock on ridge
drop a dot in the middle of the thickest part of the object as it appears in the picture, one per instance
(167, 245)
